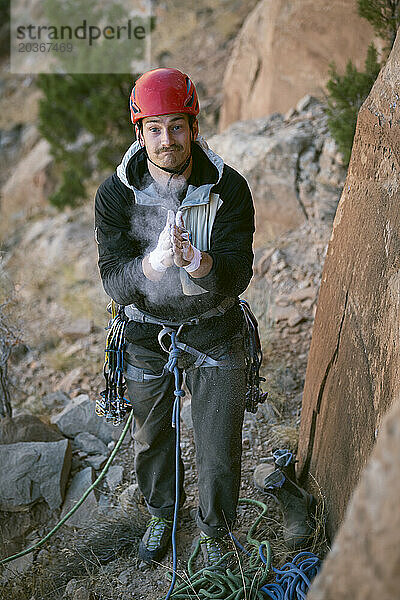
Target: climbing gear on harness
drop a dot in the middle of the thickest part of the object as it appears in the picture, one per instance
(156, 540)
(112, 403)
(213, 550)
(298, 506)
(254, 394)
(163, 91)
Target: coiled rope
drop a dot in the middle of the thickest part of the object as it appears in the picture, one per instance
(249, 581)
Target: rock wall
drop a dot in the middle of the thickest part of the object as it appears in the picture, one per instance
(353, 368)
(369, 536)
(292, 166)
(283, 52)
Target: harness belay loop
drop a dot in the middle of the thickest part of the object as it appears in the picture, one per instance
(254, 357)
(112, 403)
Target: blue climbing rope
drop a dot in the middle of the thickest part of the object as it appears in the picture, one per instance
(172, 367)
(293, 580)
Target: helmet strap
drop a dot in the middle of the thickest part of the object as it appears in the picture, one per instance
(139, 135)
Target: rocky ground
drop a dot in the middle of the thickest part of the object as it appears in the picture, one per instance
(283, 295)
(59, 311)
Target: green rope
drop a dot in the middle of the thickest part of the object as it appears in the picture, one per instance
(233, 584)
(80, 501)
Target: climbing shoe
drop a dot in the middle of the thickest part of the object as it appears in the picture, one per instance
(155, 542)
(282, 461)
(297, 505)
(213, 550)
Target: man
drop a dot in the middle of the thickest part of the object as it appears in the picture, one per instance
(174, 228)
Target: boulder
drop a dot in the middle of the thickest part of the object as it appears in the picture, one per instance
(284, 51)
(88, 509)
(16, 526)
(90, 443)
(292, 172)
(79, 416)
(114, 476)
(97, 461)
(35, 470)
(27, 428)
(30, 184)
(17, 567)
(55, 400)
(368, 538)
(352, 375)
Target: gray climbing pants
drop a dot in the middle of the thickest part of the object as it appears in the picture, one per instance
(218, 402)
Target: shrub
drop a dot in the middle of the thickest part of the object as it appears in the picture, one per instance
(346, 94)
(85, 118)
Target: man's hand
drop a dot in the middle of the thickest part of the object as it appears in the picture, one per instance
(182, 248)
(197, 263)
(157, 262)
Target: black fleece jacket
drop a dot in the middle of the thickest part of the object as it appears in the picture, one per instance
(126, 231)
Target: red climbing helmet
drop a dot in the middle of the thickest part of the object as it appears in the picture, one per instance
(163, 92)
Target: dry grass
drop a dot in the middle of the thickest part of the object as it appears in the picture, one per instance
(81, 557)
(284, 436)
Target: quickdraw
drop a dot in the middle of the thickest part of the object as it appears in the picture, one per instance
(112, 403)
(254, 357)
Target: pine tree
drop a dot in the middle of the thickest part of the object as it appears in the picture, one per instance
(85, 118)
(384, 16)
(346, 94)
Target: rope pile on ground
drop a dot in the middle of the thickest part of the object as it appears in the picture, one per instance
(249, 580)
(293, 580)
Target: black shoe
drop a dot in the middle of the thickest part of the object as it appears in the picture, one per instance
(214, 549)
(298, 506)
(156, 540)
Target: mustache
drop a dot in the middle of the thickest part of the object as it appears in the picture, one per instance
(173, 147)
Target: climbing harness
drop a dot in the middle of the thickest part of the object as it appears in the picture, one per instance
(113, 405)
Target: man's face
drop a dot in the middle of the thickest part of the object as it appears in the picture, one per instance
(167, 139)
